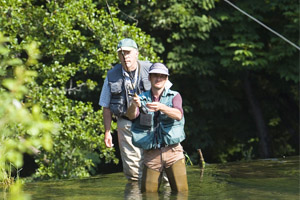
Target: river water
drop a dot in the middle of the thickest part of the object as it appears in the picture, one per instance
(258, 179)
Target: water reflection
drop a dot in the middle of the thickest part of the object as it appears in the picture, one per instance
(133, 192)
(201, 173)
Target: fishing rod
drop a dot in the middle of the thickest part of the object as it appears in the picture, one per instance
(122, 52)
(144, 109)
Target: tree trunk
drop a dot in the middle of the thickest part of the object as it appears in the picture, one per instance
(264, 141)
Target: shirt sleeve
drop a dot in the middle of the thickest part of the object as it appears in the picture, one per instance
(177, 102)
(105, 95)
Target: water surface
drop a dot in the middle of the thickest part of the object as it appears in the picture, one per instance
(259, 179)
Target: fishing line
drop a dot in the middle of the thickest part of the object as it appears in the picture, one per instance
(262, 24)
(122, 52)
(112, 20)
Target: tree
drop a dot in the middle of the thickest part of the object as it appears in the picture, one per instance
(23, 127)
(77, 47)
(235, 76)
(253, 52)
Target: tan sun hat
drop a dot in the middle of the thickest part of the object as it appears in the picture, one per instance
(159, 68)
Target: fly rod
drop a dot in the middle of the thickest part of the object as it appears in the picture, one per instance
(122, 52)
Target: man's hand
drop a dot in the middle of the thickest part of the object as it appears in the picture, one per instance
(173, 113)
(107, 124)
(136, 101)
(132, 110)
(155, 106)
(108, 140)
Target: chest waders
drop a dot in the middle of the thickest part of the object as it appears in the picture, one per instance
(176, 174)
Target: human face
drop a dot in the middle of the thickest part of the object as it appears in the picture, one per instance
(130, 62)
(158, 80)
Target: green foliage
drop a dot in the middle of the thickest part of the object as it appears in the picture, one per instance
(177, 27)
(16, 191)
(77, 46)
(23, 127)
(210, 48)
(249, 48)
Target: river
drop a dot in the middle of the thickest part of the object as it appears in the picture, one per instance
(257, 179)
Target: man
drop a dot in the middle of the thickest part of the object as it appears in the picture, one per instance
(122, 82)
(159, 129)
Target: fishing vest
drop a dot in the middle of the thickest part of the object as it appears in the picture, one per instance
(119, 95)
(163, 131)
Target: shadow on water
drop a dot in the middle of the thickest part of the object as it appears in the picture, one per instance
(259, 179)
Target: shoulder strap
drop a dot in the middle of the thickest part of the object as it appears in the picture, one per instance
(115, 73)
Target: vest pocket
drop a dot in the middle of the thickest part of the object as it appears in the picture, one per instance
(117, 102)
(115, 87)
(172, 133)
(117, 106)
(142, 137)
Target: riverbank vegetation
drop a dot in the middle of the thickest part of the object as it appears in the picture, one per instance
(239, 81)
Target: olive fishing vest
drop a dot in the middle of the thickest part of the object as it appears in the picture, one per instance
(163, 131)
(116, 81)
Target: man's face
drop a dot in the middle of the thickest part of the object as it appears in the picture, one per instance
(131, 58)
(158, 80)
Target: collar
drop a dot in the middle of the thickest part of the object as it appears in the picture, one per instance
(134, 79)
(164, 93)
(126, 74)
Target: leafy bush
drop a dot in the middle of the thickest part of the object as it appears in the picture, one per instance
(23, 127)
(77, 47)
